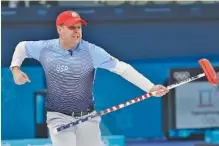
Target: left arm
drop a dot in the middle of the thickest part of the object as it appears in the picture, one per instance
(102, 59)
(133, 76)
(130, 74)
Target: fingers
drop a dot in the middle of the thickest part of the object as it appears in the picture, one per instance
(164, 89)
(26, 78)
(160, 93)
(161, 90)
(21, 78)
(21, 81)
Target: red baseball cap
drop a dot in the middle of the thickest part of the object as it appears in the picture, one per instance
(69, 18)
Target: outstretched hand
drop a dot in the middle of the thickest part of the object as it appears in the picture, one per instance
(161, 90)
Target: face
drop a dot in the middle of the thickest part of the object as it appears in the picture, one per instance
(72, 35)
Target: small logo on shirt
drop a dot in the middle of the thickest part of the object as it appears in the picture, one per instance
(112, 58)
(61, 68)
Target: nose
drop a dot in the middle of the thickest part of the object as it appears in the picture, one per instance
(75, 33)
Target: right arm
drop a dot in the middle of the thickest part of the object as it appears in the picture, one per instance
(24, 49)
(18, 56)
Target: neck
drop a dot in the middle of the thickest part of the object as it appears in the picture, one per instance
(65, 45)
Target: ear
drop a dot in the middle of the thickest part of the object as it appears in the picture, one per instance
(59, 29)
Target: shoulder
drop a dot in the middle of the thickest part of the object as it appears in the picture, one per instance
(85, 43)
(50, 42)
(40, 45)
(43, 42)
(90, 46)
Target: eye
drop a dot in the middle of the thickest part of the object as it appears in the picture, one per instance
(74, 27)
(71, 27)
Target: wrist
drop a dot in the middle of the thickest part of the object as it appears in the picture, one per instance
(151, 87)
(15, 69)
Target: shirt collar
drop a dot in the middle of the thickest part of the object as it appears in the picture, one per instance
(67, 51)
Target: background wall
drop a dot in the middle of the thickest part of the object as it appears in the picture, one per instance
(153, 38)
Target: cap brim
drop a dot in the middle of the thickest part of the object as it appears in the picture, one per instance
(71, 22)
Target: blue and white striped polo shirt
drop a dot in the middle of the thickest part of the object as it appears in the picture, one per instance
(69, 77)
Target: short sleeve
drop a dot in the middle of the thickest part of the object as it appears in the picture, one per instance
(33, 49)
(101, 58)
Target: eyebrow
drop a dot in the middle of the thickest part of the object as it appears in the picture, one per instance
(74, 26)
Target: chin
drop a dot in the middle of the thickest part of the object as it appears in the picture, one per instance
(78, 40)
(75, 42)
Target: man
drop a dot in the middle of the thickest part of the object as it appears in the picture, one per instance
(69, 63)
